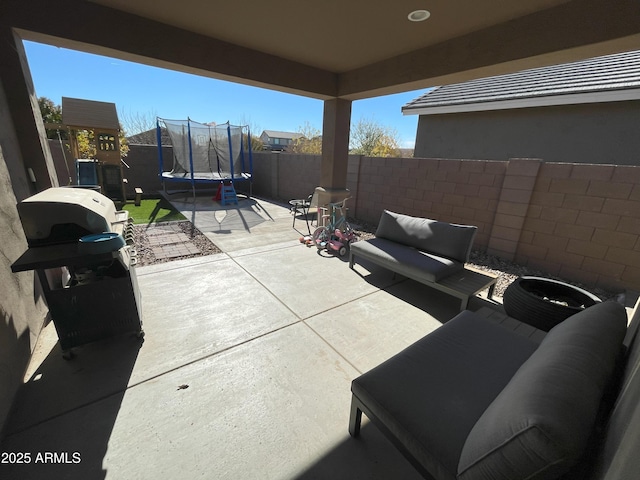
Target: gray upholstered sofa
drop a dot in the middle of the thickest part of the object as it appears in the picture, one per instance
(428, 251)
(477, 400)
(419, 248)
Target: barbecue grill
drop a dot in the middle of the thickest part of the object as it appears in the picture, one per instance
(80, 245)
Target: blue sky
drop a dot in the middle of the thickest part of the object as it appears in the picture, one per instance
(139, 89)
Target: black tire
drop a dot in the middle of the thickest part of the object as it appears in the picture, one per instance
(543, 303)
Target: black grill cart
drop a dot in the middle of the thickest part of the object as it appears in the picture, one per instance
(78, 248)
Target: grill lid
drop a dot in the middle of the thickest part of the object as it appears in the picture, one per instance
(62, 215)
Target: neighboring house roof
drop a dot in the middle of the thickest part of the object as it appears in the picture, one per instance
(277, 134)
(600, 79)
(149, 137)
(89, 114)
(406, 152)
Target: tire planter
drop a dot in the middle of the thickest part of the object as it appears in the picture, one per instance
(543, 303)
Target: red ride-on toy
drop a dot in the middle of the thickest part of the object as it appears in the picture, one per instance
(340, 241)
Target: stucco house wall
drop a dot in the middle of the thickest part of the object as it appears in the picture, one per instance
(600, 133)
(22, 307)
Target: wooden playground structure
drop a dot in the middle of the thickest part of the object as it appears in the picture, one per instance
(104, 169)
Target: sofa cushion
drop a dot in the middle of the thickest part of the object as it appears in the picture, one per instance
(615, 456)
(431, 394)
(408, 261)
(540, 423)
(440, 238)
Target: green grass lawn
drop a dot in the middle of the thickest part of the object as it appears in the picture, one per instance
(153, 210)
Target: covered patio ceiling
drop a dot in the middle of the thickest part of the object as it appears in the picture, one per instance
(335, 49)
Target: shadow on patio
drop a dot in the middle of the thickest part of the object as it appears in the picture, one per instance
(245, 370)
(213, 217)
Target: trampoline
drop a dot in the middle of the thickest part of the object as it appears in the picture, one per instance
(216, 154)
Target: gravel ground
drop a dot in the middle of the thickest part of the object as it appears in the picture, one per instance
(145, 253)
(506, 271)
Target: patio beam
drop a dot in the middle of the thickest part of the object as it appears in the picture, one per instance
(571, 31)
(129, 37)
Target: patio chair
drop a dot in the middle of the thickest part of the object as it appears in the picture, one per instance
(306, 207)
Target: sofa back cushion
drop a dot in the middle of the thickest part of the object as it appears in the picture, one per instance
(440, 238)
(616, 454)
(540, 424)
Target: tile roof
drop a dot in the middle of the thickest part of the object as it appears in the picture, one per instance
(278, 134)
(554, 84)
(149, 137)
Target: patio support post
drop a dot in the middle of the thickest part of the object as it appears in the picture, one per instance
(335, 151)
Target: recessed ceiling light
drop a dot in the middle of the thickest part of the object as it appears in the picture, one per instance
(419, 15)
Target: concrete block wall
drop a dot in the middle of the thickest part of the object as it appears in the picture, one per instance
(265, 174)
(583, 223)
(578, 221)
(298, 175)
(285, 176)
(457, 191)
(278, 176)
(143, 169)
(512, 208)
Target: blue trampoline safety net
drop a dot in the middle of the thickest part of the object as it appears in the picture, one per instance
(207, 152)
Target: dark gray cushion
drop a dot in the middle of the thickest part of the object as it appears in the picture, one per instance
(408, 261)
(431, 394)
(540, 423)
(440, 238)
(616, 456)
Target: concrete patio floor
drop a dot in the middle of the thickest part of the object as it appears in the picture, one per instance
(244, 372)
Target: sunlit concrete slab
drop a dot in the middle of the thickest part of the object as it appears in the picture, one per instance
(308, 281)
(251, 223)
(276, 407)
(267, 248)
(232, 218)
(178, 264)
(205, 212)
(262, 236)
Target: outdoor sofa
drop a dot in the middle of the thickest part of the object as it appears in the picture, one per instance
(428, 251)
(477, 400)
